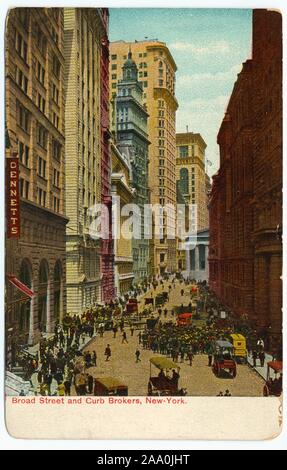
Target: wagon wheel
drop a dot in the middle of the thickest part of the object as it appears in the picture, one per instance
(265, 391)
(234, 372)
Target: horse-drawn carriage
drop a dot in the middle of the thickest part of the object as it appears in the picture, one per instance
(109, 386)
(223, 358)
(162, 384)
(161, 299)
(184, 319)
(149, 301)
(132, 306)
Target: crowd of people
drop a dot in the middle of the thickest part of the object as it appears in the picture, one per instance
(61, 364)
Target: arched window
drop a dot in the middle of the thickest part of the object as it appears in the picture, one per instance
(184, 180)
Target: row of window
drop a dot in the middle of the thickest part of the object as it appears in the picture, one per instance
(183, 151)
(141, 54)
(24, 187)
(144, 83)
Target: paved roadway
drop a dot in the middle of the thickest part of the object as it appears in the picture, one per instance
(198, 379)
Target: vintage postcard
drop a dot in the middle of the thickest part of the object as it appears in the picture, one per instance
(143, 273)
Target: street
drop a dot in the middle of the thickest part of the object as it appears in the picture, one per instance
(198, 379)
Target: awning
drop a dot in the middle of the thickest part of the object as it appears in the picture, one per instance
(223, 344)
(111, 383)
(163, 363)
(22, 287)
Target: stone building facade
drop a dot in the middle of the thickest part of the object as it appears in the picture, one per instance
(35, 126)
(157, 70)
(192, 187)
(196, 254)
(246, 199)
(132, 140)
(87, 147)
(122, 194)
(191, 174)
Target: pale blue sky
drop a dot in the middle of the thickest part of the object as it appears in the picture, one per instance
(208, 45)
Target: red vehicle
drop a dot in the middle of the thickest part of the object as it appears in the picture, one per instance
(184, 319)
(132, 306)
(223, 359)
(273, 386)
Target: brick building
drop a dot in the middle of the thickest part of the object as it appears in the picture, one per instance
(107, 248)
(35, 126)
(231, 258)
(267, 171)
(245, 254)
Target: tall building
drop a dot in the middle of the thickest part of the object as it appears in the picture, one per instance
(132, 140)
(122, 194)
(246, 199)
(192, 184)
(190, 174)
(87, 152)
(231, 260)
(157, 73)
(267, 177)
(35, 134)
(107, 245)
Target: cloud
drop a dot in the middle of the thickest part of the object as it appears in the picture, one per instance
(202, 104)
(217, 47)
(204, 115)
(198, 78)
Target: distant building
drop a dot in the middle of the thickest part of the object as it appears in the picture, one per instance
(122, 194)
(191, 175)
(192, 187)
(35, 118)
(197, 257)
(156, 72)
(132, 140)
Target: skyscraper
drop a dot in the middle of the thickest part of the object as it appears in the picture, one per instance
(246, 199)
(87, 152)
(35, 127)
(157, 69)
(191, 175)
(132, 140)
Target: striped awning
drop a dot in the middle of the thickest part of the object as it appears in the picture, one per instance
(22, 287)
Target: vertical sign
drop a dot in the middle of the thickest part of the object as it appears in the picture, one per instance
(12, 198)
